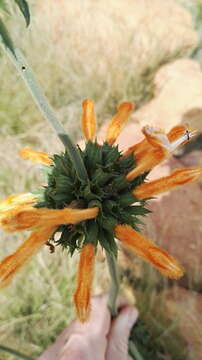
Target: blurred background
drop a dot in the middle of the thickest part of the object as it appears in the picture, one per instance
(149, 52)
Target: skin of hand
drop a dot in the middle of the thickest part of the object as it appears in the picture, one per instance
(100, 338)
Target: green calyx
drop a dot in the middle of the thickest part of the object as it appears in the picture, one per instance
(106, 187)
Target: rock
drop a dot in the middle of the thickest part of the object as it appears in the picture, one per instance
(177, 98)
(186, 306)
(193, 158)
(175, 224)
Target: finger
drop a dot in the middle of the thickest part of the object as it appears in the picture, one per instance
(118, 337)
(100, 317)
(84, 340)
(90, 338)
(53, 350)
(77, 348)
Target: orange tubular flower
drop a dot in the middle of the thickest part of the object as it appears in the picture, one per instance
(12, 263)
(144, 146)
(148, 251)
(177, 178)
(88, 120)
(27, 218)
(35, 156)
(157, 148)
(84, 282)
(118, 121)
(70, 206)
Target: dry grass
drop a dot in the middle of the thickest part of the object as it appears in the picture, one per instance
(40, 296)
(83, 50)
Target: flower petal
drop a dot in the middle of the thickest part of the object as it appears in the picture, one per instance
(158, 146)
(84, 282)
(147, 162)
(177, 178)
(88, 120)
(16, 201)
(22, 219)
(35, 156)
(179, 131)
(147, 250)
(12, 263)
(144, 146)
(135, 149)
(118, 121)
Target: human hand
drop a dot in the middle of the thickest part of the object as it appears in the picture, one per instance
(101, 338)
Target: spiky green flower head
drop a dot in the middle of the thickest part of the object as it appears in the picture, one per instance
(106, 187)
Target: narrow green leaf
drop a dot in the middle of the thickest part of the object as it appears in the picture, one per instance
(133, 351)
(108, 242)
(91, 233)
(14, 352)
(24, 8)
(5, 38)
(108, 223)
(137, 210)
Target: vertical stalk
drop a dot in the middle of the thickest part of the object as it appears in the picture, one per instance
(47, 111)
(113, 271)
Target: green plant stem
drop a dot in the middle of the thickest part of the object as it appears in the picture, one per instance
(14, 352)
(114, 274)
(133, 351)
(113, 271)
(47, 111)
(75, 156)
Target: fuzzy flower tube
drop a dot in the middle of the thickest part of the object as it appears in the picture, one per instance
(80, 214)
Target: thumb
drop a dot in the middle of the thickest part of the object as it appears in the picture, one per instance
(119, 333)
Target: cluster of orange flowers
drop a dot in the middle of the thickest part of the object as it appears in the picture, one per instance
(18, 212)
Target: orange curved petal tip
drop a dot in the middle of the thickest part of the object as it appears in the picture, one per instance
(35, 156)
(148, 251)
(88, 119)
(82, 294)
(179, 131)
(114, 129)
(14, 202)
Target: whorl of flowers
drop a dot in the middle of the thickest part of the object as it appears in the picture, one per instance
(79, 214)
